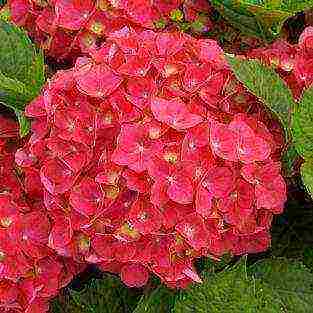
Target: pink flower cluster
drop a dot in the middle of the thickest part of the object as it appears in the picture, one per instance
(26, 262)
(150, 154)
(293, 62)
(68, 28)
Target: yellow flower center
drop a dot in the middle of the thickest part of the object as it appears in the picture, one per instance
(112, 192)
(6, 222)
(171, 157)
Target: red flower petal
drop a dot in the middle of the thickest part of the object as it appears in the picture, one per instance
(138, 182)
(19, 11)
(87, 197)
(223, 141)
(56, 177)
(97, 80)
(36, 108)
(204, 202)
(170, 43)
(194, 231)
(135, 65)
(180, 190)
(73, 14)
(104, 246)
(135, 149)
(141, 12)
(174, 113)
(134, 275)
(219, 181)
(250, 147)
(145, 217)
(272, 196)
(61, 233)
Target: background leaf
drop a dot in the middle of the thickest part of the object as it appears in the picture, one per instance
(268, 286)
(290, 161)
(291, 280)
(302, 125)
(230, 291)
(302, 130)
(24, 123)
(161, 300)
(107, 295)
(14, 93)
(266, 84)
(307, 175)
(260, 18)
(21, 69)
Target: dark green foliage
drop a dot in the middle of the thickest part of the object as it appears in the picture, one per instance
(161, 300)
(308, 258)
(260, 18)
(290, 160)
(107, 295)
(291, 280)
(307, 175)
(273, 285)
(302, 125)
(302, 130)
(292, 231)
(230, 291)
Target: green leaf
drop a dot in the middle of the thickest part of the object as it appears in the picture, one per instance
(107, 295)
(302, 125)
(307, 175)
(289, 161)
(291, 280)
(160, 300)
(24, 123)
(19, 58)
(266, 84)
(260, 18)
(207, 264)
(21, 69)
(268, 286)
(230, 291)
(13, 93)
(293, 6)
(308, 257)
(302, 130)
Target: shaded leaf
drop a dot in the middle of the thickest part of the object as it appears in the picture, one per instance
(302, 125)
(260, 18)
(21, 70)
(19, 58)
(308, 257)
(107, 295)
(230, 291)
(266, 84)
(307, 175)
(13, 93)
(289, 161)
(23, 122)
(291, 280)
(160, 300)
(208, 264)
